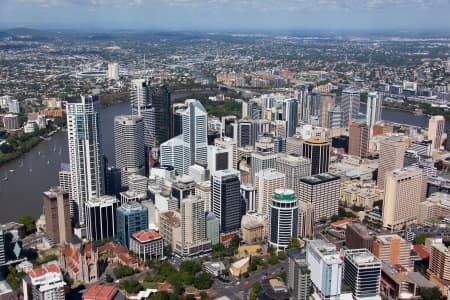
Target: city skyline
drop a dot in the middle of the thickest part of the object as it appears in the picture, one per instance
(331, 15)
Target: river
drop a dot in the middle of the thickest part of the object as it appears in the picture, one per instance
(37, 170)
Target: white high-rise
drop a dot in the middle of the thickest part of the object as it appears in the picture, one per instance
(141, 105)
(113, 71)
(350, 105)
(326, 268)
(193, 141)
(436, 127)
(373, 112)
(84, 152)
(129, 146)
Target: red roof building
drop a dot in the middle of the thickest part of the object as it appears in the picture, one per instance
(102, 292)
(147, 244)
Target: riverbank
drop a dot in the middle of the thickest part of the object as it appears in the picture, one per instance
(16, 146)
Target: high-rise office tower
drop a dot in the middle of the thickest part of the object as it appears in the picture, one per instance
(283, 218)
(229, 142)
(113, 71)
(220, 158)
(392, 248)
(184, 150)
(246, 134)
(336, 118)
(129, 146)
(177, 118)
(226, 201)
(436, 127)
(101, 218)
(266, 182)
(305, 219)
(359, 139)
(141, 105)
(65, 182)
(294, 145)
(362, 272)
(84, 152)
(323, 191)
(298, 275)
(57, 215)
(248, 193)
(327, 103)
(317, 149)
(350, 105)
(326, 268)
(392, 151)
(113, 181)
(261, 161)
(181, 189)
(195, 133)
(193, 227)
(294, 167)
(309, 103)
(404, 190)
(290, 115)
(230, 127)
(373, 112)
(131, 217)
(161, 104)
(440, 261)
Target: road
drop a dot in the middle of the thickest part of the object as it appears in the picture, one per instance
(240, 291)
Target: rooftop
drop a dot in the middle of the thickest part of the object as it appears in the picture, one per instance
(316, 140)
(100, 292)
(319, 178)
(144, 236)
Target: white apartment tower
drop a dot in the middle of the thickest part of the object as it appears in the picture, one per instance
(84, 152)
(373, 112)
(436, 127)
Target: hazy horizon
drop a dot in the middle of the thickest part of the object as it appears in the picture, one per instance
(231, 15)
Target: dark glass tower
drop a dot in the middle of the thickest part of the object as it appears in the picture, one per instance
(161, 101)
(317, 149)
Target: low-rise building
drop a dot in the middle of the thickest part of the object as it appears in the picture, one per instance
(214, 268)
(80, 262)
(437, 205)
(147, 244)
(45, 282)
(252, 227)
(103, 292)
(392, 248)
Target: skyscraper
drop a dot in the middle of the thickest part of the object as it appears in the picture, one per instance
(403, 192)
(283, 218)
(362, 272)
(359, 139)
(294, 167)
(336, 118)
(392, 151)
(141, 105)
(267, 181)
(161, 104)
(193, 227)
(184, 150)
(84, 151)
(350, 105)
(101, 218)
(298, 275)
(261, 161)
(317, 149)
(57, 215)
(323, 191)
(246, 133)
(226, 201)
(326, 268)
(290, 115)
(113, 71)
(373, 112)
(327, 104)
(129, 146)
(436, 127)
(131, 217)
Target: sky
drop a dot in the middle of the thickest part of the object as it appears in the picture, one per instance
(210, 15)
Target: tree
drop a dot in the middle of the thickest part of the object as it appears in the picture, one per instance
(256, 288)
(430, 293)
(14, 278)
(420, 239)
(190, 266)
(273, 259)
(131, 286)
(29, 223)
(123, 271)
(281, 255)
(293, 243)
(203, 281)
(109, 278)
